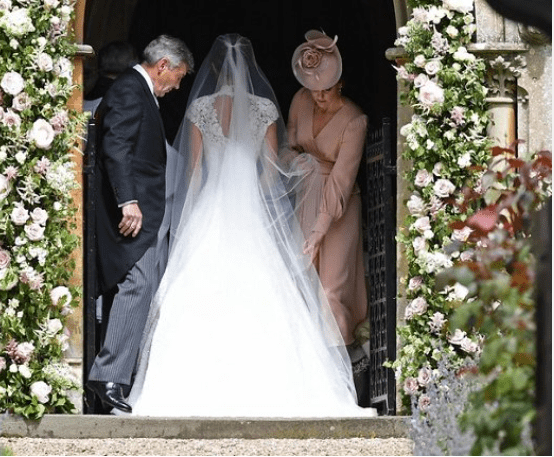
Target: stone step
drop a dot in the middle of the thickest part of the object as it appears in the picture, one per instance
(99, 426)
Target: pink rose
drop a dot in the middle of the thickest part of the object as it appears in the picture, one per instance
(11, 119)
(311, 58)
(411, 386)
(5, 259)
(424, 376)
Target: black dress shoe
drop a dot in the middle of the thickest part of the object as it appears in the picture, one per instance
(110, 394)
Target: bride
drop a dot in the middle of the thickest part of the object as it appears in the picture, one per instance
(239, 325)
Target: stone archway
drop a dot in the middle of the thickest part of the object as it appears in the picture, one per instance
(365, 28)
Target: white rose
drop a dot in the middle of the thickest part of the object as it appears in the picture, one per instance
(443, 188)
(423, 178)
(39, 216)
(431, 93)
(458, 337)
(19, 215)
(41, 390)
(5, 5)
(464, 160)
(422, 224)
(460, 291)
(420, 80)
(49, 4)
(452, 31)
(42, 134)
(418, 305)
(405, 129)
(21, 101)
(419, 60)
(469, 345)
(21, 157)
(57, 293)
(419, 244)
(433, 67)
(462, 55)
(25, 372)
(17, 22)
(65, 12)
(462, 6)
(45, 62)
(437, 169)
(54, 326)
(12, 83)
(461, 234)
(35, 232)
(415, 283)
(416, 205)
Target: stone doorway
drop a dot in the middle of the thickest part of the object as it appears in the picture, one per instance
(365, 29)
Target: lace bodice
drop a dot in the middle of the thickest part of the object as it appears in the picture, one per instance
(203, 114)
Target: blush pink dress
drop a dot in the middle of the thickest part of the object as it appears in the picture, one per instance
(334, 207)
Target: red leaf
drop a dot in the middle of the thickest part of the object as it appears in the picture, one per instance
(497, 150)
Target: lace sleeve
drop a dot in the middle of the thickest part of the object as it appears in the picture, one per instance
(197, 112)
(266, 112)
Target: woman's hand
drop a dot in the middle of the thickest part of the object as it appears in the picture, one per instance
(312, 245)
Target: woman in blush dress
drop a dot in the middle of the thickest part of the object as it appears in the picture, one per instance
(240, 326)
(332, 129)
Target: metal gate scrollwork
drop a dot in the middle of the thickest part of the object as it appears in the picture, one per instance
(380, 231)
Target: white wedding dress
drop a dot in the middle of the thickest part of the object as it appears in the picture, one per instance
(230, 332)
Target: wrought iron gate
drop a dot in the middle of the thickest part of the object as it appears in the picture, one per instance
(90, 323)
(380, 214)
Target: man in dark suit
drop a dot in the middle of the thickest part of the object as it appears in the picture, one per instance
(130, 207)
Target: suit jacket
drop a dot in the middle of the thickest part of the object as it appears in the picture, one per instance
(131, 165)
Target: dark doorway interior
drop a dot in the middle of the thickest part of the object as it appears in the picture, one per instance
(365, 29)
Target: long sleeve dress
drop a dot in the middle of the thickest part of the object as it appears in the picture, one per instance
(334, 207)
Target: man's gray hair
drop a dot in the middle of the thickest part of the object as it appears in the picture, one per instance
(174, 49)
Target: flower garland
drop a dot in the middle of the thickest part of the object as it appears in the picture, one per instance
(447, 145)
(37, 136)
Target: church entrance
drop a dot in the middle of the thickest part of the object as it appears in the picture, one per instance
(365, 29)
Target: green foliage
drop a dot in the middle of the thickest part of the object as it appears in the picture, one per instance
(500, 279)
(38, 136)
(447, 147)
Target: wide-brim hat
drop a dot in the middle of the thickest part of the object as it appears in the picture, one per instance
(317, 63)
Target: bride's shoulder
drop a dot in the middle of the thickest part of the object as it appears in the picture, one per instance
(266, 107)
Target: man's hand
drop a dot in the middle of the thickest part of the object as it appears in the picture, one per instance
(131, 223)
